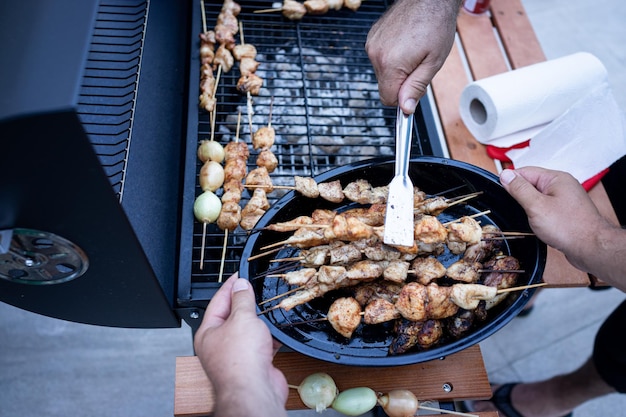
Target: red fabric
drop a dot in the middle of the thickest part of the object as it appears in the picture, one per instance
(588, 185)
(500, 154)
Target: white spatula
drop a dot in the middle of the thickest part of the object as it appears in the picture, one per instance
(399, 214)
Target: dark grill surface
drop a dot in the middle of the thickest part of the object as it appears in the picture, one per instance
(108, 90)
(324, 103)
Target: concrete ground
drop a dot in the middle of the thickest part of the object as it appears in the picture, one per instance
(52, 368)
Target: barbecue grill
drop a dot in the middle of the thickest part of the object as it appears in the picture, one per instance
(100, 127)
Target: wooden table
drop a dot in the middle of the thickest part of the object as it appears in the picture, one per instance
(489, 44)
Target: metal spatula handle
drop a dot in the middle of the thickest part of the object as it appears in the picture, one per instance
(403, 142)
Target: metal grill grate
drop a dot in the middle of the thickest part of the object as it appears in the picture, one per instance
(325, 106)
(108, 91)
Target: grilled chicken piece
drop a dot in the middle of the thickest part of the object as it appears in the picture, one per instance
(306, 186)
(307, 238)
(235, 169)
(366, 292)
(300, 277)
(419, 302)
(428, 229)
(231, 6)
(230, 216)
(261, 178)
(207, 102)
(352, 4)
(315, 256)
(348, 229)
(358, 191)
(207, 80)
(254, 210)
(381, 252)
(500, 280)
(331, 191)
(293, 10)
(267, 159)
(411, 333)
(465, 271)
(380, 310)
(373, 215)
(244, 51)
(396, 271)
(250, 83)
(465, 232)
(236, 150)
(264, 138)
(468, 296)
(291, 225)
(344, 254)
(344, 315)
(316, 6)
(435, 249)
(335, 4)
(248, 66)
(364, 270)
(433, 206)
(224, 58)
(479, 252)
(365, 243)
(207, 47)
(427, 269)
(322, 216)
(460, 323)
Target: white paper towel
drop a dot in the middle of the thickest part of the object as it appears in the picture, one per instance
(512, 107)
(583, 141)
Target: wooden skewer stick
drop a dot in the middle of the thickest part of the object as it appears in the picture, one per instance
(202, 246)
(473, 216)
(204, 27)
(522, 287)
(214, 112)
(291, 291)
(248, 95)
(500, 291)
(456, 413)
(260, 255)
(268, 10)
(221, 276)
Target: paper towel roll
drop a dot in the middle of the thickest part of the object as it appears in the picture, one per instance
(509, 108)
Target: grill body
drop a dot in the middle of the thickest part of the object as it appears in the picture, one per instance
(107, 158)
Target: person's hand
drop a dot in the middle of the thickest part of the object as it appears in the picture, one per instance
(563, 216)
(408, 45)
(236, 350)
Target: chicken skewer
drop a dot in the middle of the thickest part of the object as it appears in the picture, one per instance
(294, 10)
(415, 301)
(345, 314)
(427, 230)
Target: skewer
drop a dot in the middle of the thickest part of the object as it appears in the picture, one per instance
(223, 256)
(291, 291)
(456, 413)
(223, 259)
(202, 246)
(213, 114)
(500, 291)
(268, 10)
(473, 216)
(262, 254)
(522, 287)
(204, 27)
(248, 95)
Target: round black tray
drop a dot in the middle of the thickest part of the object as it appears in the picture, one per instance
(369, 344)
